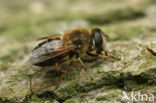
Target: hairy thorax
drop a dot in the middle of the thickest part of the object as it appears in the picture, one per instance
(80, 38)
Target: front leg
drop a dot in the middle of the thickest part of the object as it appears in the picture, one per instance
(108, 56)
(105, 51)
(100, 55)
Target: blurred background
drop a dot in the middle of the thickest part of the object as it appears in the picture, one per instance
(23, 21)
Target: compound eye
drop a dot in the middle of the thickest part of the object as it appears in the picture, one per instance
(97, 39)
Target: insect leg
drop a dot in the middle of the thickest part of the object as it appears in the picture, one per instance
(100, 56)
(105, 51)
(57, 68)
(108, 56)
(60, 78)
(61, 73)
(85, 68)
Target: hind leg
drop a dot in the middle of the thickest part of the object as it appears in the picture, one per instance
(58, 69)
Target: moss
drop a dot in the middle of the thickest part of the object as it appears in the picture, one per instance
(5, 100)
(110, 96)
(116, 53)
(72, 100)
(34, 98)
(41, 99)
(101, 98)
(150, 75)
(4, 66)
(150, 61)
(132, 85)
(96, 65)
(139, 57)
(71, 91)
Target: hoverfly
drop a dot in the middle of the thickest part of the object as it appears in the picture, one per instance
(74, 44)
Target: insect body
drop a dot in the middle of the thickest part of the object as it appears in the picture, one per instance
(59, 49)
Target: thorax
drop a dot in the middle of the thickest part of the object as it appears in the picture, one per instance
(78, 37)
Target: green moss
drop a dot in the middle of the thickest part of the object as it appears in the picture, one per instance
(139, 57)
(116, 53)
(35, 98)
(150, 60)
(4, 66)
(110, 96)
(150, 76)
(101, 98)
(40, 99)
(72, 100)
(5, 100)
(70, 91)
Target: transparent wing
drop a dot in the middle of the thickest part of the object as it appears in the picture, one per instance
(49, 50)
